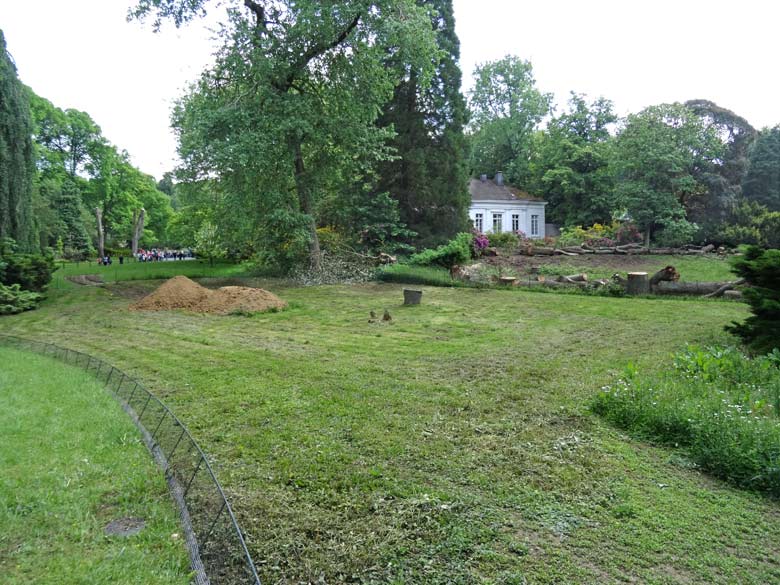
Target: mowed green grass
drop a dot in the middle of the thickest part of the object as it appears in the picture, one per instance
(451, 445)
(72, 462)
(132, 270)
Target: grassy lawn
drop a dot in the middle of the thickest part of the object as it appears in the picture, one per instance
(72, 462)
(133, 270)
(451, 445)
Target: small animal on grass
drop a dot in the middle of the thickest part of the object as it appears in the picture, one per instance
(387, 316)
(372, 317)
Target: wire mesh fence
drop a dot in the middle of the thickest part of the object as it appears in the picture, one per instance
(216, 545)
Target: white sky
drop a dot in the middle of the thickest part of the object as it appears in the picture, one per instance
(83, 54)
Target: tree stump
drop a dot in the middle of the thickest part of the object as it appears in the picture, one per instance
(637, 284)
(412, 297)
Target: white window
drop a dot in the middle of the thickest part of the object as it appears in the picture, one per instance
(478, 221)
(534, 225)
(497, 223)
(515, 222)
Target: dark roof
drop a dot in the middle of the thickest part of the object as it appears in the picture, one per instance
(488, 190)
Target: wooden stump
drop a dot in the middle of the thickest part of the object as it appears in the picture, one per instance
(637, 284)
(412, 297)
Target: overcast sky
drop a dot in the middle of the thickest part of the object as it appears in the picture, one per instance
(83, 54)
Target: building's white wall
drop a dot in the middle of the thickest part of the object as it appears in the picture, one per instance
(506, 209)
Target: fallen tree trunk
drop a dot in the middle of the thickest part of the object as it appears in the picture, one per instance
(559, 252)
(687, 288)
(725, 287)
(668, 274)
(574, 278)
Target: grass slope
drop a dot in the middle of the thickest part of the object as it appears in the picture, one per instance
(452, 445)
(71, 462)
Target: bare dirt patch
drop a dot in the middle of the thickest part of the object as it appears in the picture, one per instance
(87, 279)
(182, 293)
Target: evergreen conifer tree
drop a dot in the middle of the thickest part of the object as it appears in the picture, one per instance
(16, 156)
(429, 177)
(762, 181)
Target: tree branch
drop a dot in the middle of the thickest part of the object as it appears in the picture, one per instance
(315, 51)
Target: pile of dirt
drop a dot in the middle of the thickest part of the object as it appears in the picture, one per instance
(181, 293)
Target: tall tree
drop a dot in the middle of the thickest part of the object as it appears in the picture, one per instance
(723, 178)
(17, 165)
(657, 158)
(290, 107)
(571, 163)
(762, 180)
(506, 109)
(429, 176)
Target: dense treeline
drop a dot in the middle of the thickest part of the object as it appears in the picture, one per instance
(61, 178)
(681, 172)
(342, 126)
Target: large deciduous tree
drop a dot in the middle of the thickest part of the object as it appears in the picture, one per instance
(571, 163)
(762, 180)
(506, 109)
(16, 156)
(429, 176)
(289, 110)
(658, 157)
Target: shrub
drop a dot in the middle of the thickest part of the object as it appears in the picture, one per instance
(761, 269)
(628, 233)
(507, 240)
(718, 404)
(30, 271)
(406, 274)
(456, 251)
(596, 235)
(676, 232)
(478, 243)
(15, 300)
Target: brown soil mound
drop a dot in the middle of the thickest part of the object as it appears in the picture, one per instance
(177, 293)
(230, 299)
(181, 293)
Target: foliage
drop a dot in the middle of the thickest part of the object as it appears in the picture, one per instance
(657, 156)
(16, 157)
(478, 243)
(571, 163)
(15, 300)
(722, 407)
(596, 234)
(676, 232)
(208, 243)
(505, 240)
(761, 269)
(288, 112)
(455, 252)
(762, 181)
(506, 109)
(428, 174)
(30, 271)
(750, 223)
(627, 233)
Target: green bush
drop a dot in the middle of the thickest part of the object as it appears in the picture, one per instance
(456, 251)
(720, 405)
(30, 271)
(406, 274)
(15, 300)
(761, 269)
(507, 240)
(676, 232)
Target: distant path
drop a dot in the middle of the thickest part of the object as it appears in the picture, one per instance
(87, 279)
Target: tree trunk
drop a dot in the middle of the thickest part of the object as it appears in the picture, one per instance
(687, 288)
(637, 283)
(307, 207)
(101, 236)
(666, 274)
(647, 238)
(725, 287)
(138, 229)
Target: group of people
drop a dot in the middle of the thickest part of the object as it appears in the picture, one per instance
(155, 255)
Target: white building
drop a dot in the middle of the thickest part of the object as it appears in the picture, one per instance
(496, 207)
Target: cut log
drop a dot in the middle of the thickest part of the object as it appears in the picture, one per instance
(572, 278)
(538, 251)
(559, 252)
(686, 288)
(725, 288)
(617, 279)
(668, 274)
(733, 294)
(605, 251)
(637, 283)
(707, 249)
